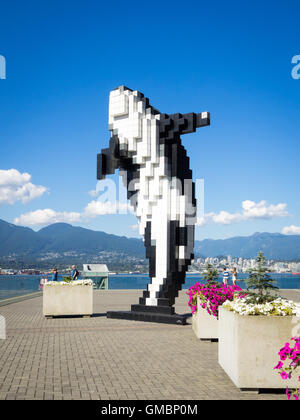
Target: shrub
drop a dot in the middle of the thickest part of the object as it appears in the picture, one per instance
(261, 281)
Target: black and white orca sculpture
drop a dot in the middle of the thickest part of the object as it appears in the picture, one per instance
(145, 146)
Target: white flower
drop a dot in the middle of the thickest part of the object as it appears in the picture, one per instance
(84, 282)
(278, 307)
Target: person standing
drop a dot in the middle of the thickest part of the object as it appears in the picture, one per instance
(43, 281)
(225, 276)
(234, 276)
(54, 274)
(74, 273)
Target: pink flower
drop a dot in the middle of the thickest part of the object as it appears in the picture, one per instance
(284, 375)
(293, 354)
(282, 355)
(278, 366)
(212, 295)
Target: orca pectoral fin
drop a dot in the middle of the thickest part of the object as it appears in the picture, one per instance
(202, 119)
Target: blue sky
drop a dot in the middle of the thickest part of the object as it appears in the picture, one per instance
(229, 58)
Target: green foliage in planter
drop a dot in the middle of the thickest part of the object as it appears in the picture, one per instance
(261, 281)
(211, 274)
(67, 279)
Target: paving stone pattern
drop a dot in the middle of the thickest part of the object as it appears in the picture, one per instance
(109, 359)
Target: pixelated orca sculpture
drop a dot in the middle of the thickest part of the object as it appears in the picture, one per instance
(145, 146)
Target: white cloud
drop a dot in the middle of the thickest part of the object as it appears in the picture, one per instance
(93, 209)
(291, 230)
(46, 217)
(99, 208)
(204, 220)
(261, 210)
(13, 177)
(250, 211)
(226, 218)
(93, 193)
(16, 186)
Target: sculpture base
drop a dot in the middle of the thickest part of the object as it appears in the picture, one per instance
(148, 317)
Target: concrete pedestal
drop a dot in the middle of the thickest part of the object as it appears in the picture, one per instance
(148, 317)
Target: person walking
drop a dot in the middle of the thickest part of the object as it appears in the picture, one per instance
(225, 276)
(234, 276)
(75, 273)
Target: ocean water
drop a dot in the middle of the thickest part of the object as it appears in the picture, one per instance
(12, 286)
(140, 281)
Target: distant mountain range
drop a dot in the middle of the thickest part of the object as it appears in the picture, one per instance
(274, 245)
(63, 238)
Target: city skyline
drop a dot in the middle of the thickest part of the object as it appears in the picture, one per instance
(54, 109)
(199, 265)
(244, 264)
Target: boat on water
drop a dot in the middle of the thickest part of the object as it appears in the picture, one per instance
(296, 274)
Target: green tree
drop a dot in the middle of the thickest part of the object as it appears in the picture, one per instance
(210, 274)
(260, 281)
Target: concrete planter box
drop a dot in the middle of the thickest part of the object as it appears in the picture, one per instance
(67, 300)
(249, 346)
(205, 326)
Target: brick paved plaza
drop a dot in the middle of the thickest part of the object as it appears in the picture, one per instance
(100, 358)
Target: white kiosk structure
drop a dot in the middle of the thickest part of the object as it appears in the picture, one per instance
(98, 273)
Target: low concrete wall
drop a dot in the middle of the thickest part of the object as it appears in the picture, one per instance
(2, 328)
(205, 326)
(16, 299)
(248, 348)
(67, 300)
